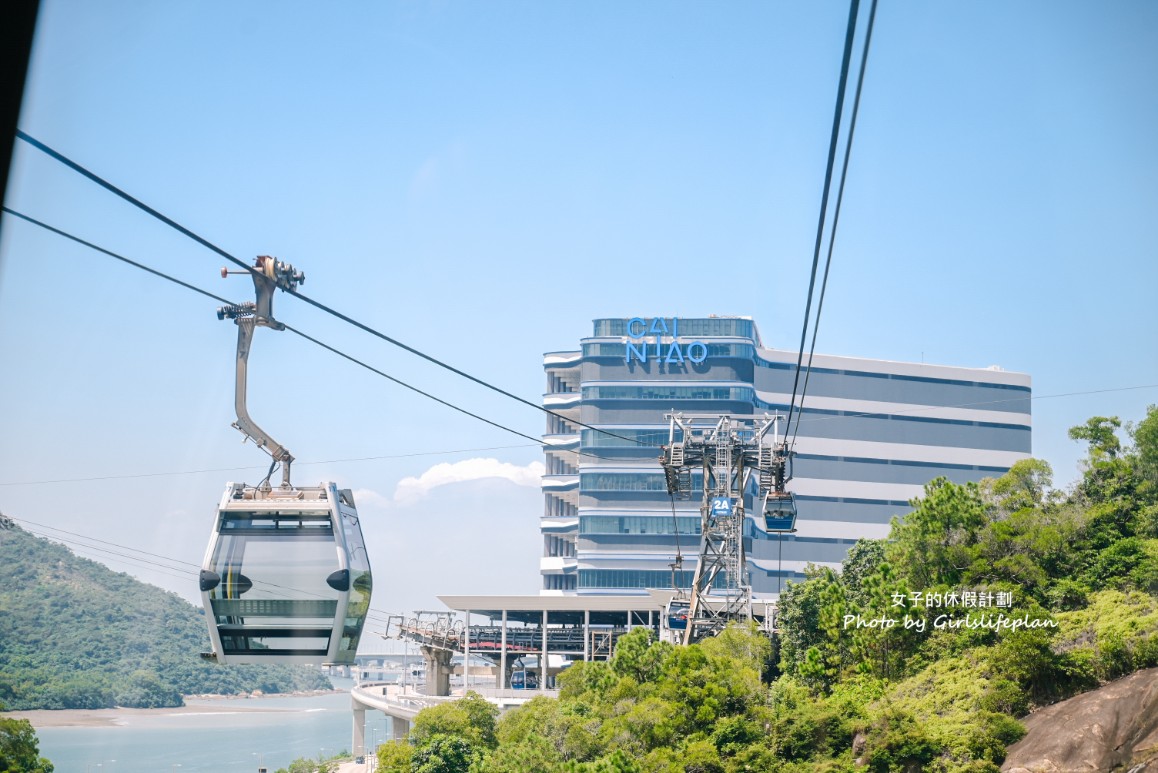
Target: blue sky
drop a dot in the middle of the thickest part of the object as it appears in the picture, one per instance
(482, 180)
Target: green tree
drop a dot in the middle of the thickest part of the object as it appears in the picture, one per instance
(1101, 433)
(798, 621)
(702, 757)
(570, 728)
(824, 660)
(1025, 485)
(898, 742)
(592, 678)
(832, 611)
(19, 748)
(529, 754)
(1145, 437)
(444, 754)
(638, 655)
(616, 762)
(934, 544)
(395, 756)
(882, 648)
(306, 765)
(472, 718)
(861, 562)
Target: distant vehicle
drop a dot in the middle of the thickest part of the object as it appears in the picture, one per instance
(524, 680)
(677, 615)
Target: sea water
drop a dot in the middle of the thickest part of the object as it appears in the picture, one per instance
(273, 730)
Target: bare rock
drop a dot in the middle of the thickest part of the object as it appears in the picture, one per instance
(1113, 727)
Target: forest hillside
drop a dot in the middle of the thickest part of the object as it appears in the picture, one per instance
(75, 634)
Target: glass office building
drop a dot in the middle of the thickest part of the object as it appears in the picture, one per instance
(871, 434)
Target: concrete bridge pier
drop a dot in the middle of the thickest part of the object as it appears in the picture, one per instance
(437, 670)
(508, 669)
(359, 739)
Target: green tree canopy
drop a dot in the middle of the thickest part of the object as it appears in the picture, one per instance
(1101, 433)
(934, 544)
(19, 748)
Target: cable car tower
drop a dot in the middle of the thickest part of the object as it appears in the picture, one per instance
(286, 578)
(735, 457)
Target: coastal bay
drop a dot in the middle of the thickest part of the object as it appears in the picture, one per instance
(207, 734)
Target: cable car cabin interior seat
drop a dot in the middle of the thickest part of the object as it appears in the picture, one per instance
(286, 578)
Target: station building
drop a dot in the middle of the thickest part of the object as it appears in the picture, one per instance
(871, 434)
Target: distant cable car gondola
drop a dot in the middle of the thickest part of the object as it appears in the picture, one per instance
(286, 577)
(779, 512)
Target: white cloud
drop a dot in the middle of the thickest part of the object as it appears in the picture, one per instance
(370, 499)
(411, 489)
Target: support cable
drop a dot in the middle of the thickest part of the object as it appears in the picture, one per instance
(678, 564)
(847, 415)
(848, 40)
(309, 338)
(316, 304)
(537, 441)
(836, 212)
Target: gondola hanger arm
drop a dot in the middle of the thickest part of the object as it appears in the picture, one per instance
(268, 274)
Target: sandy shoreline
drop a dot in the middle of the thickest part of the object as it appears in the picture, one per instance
(194, 704)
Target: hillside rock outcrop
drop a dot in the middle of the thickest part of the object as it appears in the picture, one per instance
(1112, 728)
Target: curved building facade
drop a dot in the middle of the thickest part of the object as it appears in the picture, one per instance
(870, 435)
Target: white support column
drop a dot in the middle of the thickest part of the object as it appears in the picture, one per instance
(466, 656)
(543, 661)
(358, 743)
(586, 634)
(502, 680)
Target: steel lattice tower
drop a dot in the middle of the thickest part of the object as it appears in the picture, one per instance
(726, 450)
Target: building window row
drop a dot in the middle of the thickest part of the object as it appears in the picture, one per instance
(557, 384)
(559, 582)
(628, 438)
(714, 350)
(558, 547)
(633, 578)
(558, 466)
(666, 392)
(554, 507)
(638, 579)
(687, 328)
(629, 481)
(638, 524)
(556, 425)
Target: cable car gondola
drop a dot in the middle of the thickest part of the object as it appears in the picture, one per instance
(677, 614)
(286, 577)
(779, 512)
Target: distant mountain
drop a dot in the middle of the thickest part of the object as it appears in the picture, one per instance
(74, 634)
